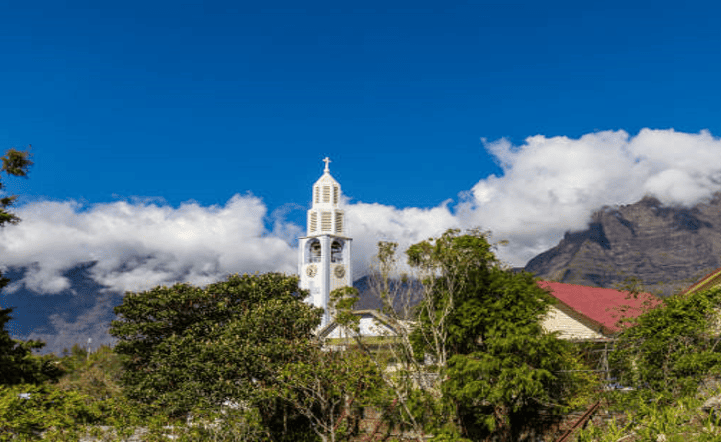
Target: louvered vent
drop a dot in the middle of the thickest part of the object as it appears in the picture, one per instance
(339, 222)
(325, 221)
(313, 221)
(335, 194)
(316, 194)
(326, 194)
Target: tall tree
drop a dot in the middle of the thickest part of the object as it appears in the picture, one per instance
(332, 388)
(481, 322)
(17, 364)
(16, 163)
(410, 386)
(186, 346)
(471, 359)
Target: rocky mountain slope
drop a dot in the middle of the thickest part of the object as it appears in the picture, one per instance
(666, 248)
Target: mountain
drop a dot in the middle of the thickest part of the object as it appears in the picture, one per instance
(406, 294)
(666, 248)
(84, 310)
(81, 312)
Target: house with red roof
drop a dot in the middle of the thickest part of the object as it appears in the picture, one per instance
(580, 313)
(592, 313)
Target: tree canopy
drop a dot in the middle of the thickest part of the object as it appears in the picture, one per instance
(186, 346)
(672, 347)
(483, 322)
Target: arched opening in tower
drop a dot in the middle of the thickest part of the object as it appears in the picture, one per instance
(314, 250)
(336, 251)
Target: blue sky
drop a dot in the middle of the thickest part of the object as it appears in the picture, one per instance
(164, 119)
(202, 100)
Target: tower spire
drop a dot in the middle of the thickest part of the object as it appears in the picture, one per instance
(324, 254)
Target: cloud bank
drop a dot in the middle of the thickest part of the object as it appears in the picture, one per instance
(552, 185)
(140, 245)
(548, 186)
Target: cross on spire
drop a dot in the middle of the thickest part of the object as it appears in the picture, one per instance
(326, 160)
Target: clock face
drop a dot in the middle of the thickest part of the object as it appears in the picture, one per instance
(311, 270)
(339, 271)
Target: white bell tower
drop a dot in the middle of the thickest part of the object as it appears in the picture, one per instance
(324, 254)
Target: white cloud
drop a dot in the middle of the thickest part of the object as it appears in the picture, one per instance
(370, 223)
(552, 185)
(140, 245)
(548, 186)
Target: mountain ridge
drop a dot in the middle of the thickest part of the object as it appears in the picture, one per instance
(664, 248)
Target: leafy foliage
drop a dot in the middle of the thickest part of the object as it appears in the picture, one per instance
(671, 348)
(502, 368)
(404, 396)
(96, 374)
(17, 363)
(186, 347)
(331, 388)
(638, 416)
(28, 410)
(16, 163)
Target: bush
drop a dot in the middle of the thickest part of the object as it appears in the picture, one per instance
(28, 410)
(673, 347)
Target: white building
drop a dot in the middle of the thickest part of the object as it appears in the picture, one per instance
(324, 253)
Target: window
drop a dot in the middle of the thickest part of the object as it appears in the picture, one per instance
(326, 194)
(316, 194)
(335, 194)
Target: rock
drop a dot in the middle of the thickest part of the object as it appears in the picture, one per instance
(712, 405)
(665, 248)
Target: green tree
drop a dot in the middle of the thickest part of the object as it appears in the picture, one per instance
(186, 347)
(17, 364)
(95, 374)
(15, 163)
(407, 400)
(670, 349)
(481, 323)
(332, 388)
(28, 410)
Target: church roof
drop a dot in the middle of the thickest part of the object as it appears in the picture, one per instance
(599, 308)
(709, 281)
(326, 178)
(373, 323)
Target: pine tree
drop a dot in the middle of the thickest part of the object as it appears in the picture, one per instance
(17, 364)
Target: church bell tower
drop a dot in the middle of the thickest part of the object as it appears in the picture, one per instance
(324, 253)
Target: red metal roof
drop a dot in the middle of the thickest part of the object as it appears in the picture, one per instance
(602, 306)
